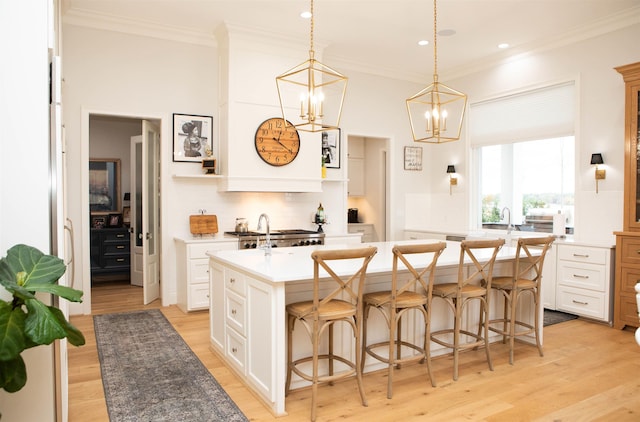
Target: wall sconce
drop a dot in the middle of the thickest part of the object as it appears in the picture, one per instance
(601, 174)
(453, 180)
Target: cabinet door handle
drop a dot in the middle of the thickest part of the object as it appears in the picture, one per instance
(234, 349)
(233, 312)
(580, 303)
(232, 280)
(578, 255)
(638, 251)
(580, 276)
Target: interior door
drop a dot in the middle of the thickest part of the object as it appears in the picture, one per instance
(144, 211)
(135, 230)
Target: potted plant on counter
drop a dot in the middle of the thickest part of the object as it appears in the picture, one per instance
(26, 321)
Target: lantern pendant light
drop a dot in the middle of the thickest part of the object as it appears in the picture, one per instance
(436, 113)
(311, 94)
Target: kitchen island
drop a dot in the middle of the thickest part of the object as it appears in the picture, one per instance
(249, 292)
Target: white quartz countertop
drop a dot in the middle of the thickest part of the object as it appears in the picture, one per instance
(295, 263)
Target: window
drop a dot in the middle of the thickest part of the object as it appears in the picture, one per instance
(524, 150)
(534, 179)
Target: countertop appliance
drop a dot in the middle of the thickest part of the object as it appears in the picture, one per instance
(352, 215)
(279, 238)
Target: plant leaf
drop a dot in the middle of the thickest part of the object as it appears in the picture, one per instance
(13, 375)
(12, 340)
(41, 325)
(40, 268)
(74, 336)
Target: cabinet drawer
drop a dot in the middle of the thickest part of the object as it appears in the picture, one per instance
(585, 276)
(237, 350)
(630, 250)
(235, 281)
(116, 248)
(236, 312)
(581, 302)
(583, 254)
(199, 270)
(199, 296)
(117, 235)
(199, 250)
(630, 277)
(116, 262)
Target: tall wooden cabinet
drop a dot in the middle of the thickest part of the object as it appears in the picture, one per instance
(628, 240)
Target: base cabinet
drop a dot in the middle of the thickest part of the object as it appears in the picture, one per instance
(243, 315)
(627, 275)
(193, 272)
(584, 281)
(110, 251)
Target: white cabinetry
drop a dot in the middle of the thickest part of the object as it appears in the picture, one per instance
(351, 239)
(356, 167)
(367, 231)
(192, 271)
(413, 235)
(242, 320)
(584, 281)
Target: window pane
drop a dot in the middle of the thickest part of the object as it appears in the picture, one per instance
(533, 179)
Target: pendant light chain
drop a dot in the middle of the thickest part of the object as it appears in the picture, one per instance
(311, 52)
(435, 41)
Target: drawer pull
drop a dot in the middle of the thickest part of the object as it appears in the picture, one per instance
(580, 276)
(638, 251)
(234, 349)
(120, 259)
(233, 312)
(232, 280)
(578, 255)
(580, 303)
(120, 236)
(120, 247)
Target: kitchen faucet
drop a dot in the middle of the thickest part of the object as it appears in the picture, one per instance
(509, 227)
(267, 243)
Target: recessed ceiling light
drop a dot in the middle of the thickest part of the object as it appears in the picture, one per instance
(503, 45)
(305, 15)
(446, 32)
(423, 42)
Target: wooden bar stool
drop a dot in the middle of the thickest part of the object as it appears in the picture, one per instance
(342, 303)
(412, 294)
(525, 278)
(482, 256)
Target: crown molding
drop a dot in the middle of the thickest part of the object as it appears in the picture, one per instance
(107, 22)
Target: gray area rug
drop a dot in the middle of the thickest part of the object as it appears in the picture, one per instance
(556, 317)
(150, 374)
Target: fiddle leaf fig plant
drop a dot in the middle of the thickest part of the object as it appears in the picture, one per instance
(26, 321)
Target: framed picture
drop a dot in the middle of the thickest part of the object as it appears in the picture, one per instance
(98, 221)
(126, 216)
(192, 138)
(413, 158)
(331, 149)
(114, 220)
(104, 185)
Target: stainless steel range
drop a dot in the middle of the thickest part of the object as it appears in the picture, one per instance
(279, 238)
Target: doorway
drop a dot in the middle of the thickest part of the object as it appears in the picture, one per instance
(368, 168)
(110, 136)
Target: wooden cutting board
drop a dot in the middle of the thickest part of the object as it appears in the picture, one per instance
(203, 224)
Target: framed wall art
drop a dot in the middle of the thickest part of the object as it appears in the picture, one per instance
(115, 220)
(413, 158)
(331, 149)
(192, 138)
(104, 185)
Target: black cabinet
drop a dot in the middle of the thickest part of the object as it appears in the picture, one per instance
(110, 251)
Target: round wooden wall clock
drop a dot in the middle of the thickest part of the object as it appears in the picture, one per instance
(277, 143)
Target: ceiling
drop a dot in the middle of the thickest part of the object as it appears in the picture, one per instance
(381, 34)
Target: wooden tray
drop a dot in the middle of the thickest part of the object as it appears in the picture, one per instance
(203, 224)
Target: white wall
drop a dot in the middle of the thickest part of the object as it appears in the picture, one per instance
(24, 163)
(600, 129)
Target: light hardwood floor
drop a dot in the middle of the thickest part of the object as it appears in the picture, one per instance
(590, 372)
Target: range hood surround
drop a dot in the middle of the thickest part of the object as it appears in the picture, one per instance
(249, 61)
